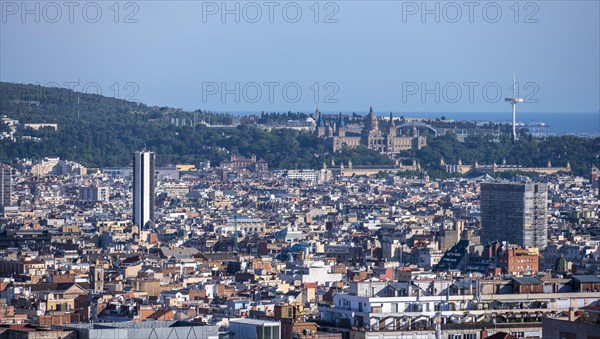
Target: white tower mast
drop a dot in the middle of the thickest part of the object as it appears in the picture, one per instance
(514, 101)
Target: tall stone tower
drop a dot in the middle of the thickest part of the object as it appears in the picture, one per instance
(341, 127)
(97, 277)
(320, 124)
(371, 123)
(392, 133)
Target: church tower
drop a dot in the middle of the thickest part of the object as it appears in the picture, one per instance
(391, 136)
(392, 133)
(371, 123)
(320, 124)
(97, 277)
(341, 127)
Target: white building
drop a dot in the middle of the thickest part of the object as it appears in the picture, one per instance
(244, 226)
(94, 193)
(385, 306)
(317, 272)
(143, 187)
(174, 189)
(304, 175)
(310, 175)
(254, 329)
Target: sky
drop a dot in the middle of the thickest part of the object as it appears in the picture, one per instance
(242, 56)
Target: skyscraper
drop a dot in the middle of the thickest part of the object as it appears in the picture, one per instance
(5, 186)
(514, 212)
(143, 188)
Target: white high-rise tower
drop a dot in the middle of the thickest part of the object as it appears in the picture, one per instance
(5, 186)
(514, 101)
(143, 188)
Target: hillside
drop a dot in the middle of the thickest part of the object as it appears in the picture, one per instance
(102, 131)
(99, 131)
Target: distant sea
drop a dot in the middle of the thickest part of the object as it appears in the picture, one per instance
(578, 123)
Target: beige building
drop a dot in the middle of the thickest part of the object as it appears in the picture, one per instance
(336, 137)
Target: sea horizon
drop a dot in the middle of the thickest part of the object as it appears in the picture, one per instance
(557, 123)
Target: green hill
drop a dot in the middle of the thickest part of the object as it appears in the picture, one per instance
(100, 131)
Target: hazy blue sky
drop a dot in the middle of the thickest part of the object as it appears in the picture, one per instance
(360, 53)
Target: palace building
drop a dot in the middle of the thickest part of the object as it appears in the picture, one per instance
(336, 135)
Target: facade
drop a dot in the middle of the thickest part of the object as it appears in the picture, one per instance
(520, 261)
(143, 188)
(236, 163)
(56, 166)
(5, 186)
(478, 168)
(254, 329)
(304, 175)
(514, 212)
(174, 190)
(97, 278)
(27, 333)
(315, 176)
(166, 173)
(350, 170)
(377, 307)
(569, 328)
(594, 174)
(39, 126)
(142, 330)
(45, 166)
(94, 193)
(336, 136)
(118, 172)
(244, 225)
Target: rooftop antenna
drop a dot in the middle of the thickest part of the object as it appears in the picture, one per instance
(514, 101)
(235, 233)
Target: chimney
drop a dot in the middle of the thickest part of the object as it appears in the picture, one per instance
(571, 314)
(483, 334)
